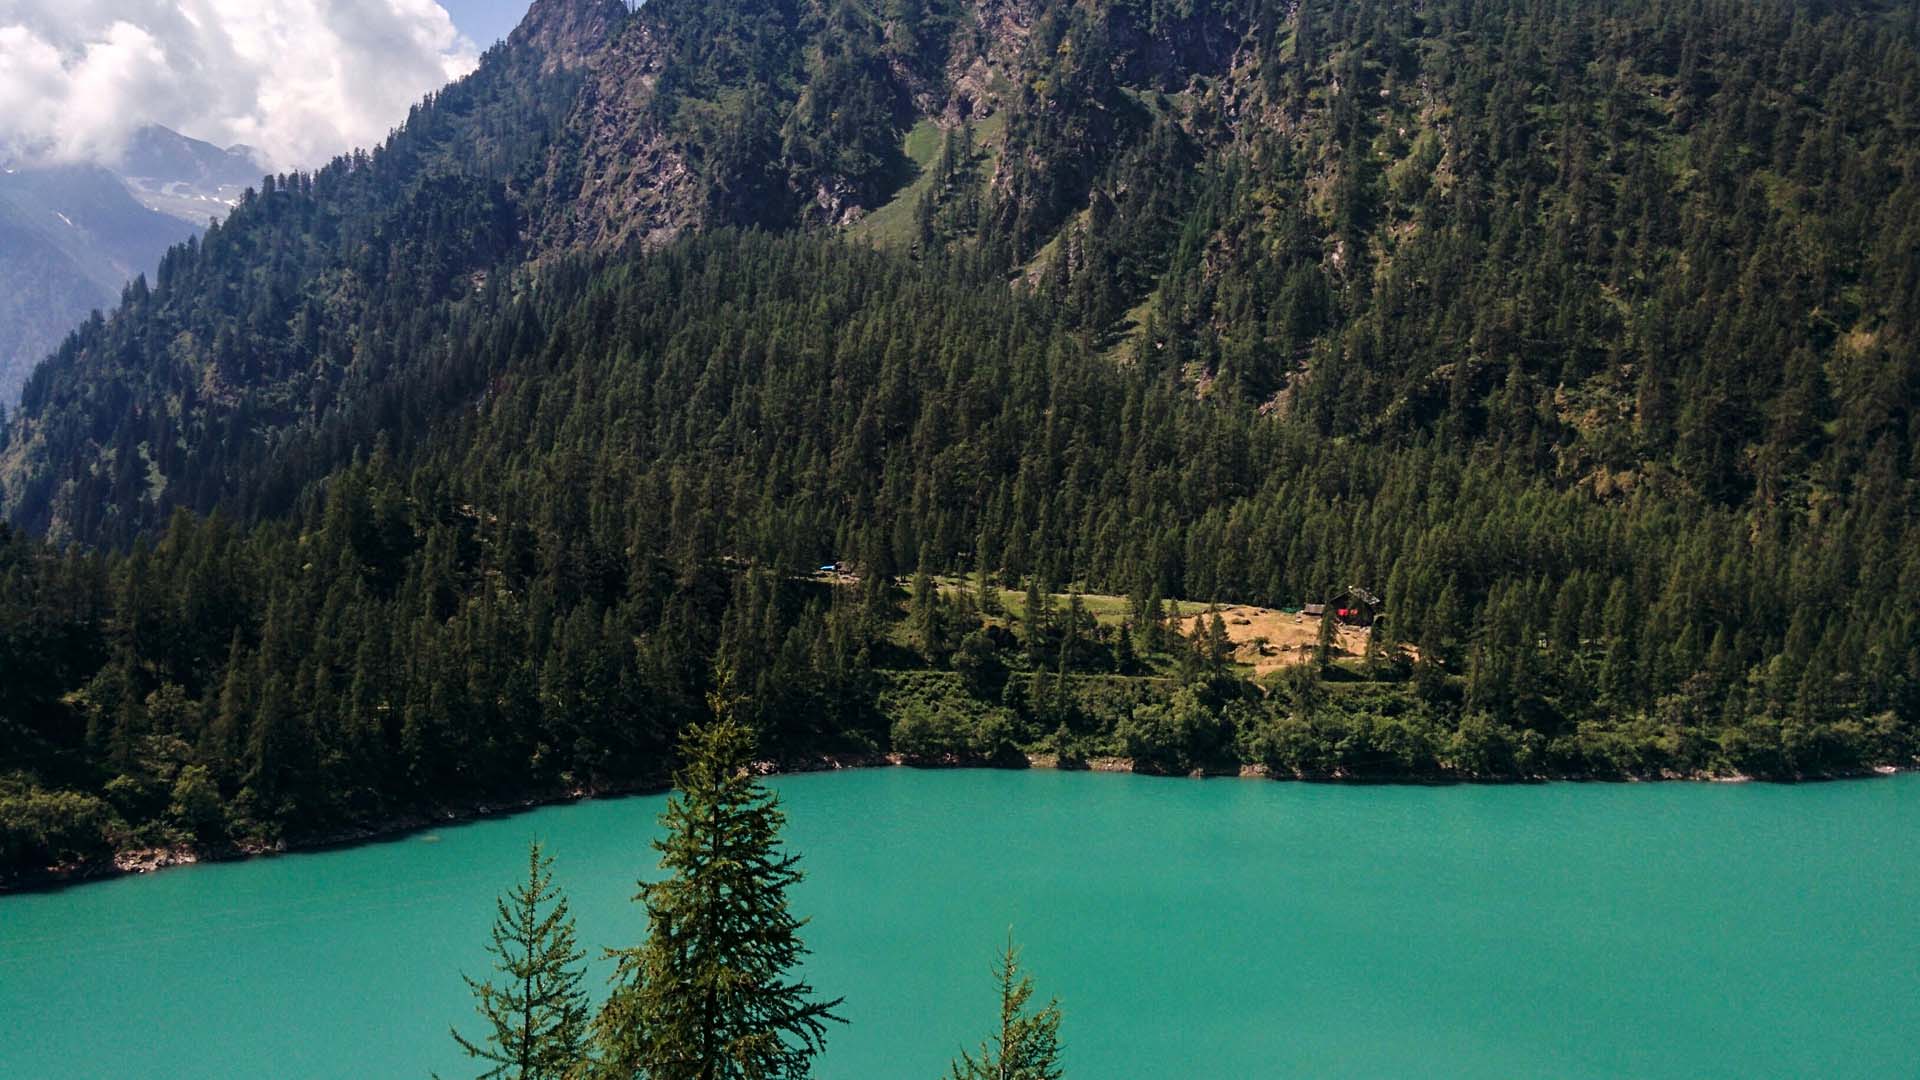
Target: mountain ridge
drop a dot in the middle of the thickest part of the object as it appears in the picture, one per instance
(668, 120)
(185, 177)
(75, 236)
(104, 238)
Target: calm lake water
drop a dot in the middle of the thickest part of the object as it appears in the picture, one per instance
(1217, 928)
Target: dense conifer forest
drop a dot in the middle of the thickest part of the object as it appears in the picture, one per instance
(459, 471)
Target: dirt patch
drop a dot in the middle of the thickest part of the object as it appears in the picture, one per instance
(1267, 639)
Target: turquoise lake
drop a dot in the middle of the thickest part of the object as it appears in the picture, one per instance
(1219, 928)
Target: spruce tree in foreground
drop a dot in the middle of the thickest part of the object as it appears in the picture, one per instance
(711, 994)
(1027, 1046)
(536, 1013)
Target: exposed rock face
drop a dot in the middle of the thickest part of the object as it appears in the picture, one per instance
(622, 178)
(568, 34)
(804, 122)
(977, 73)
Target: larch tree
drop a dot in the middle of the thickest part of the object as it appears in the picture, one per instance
(712, 994)
(536, 1012)
(1027, 1044)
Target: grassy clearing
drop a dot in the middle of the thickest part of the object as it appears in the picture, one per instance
(1133, 326)
(891, 224)
(1107, 610)
(1265, 640)
(1038, 264)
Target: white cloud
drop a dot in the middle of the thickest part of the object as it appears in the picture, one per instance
(300, 80)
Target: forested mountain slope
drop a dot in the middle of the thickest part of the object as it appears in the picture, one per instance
(1583, 333)
(270, 323)
(1640, 243)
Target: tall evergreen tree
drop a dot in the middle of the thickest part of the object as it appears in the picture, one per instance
(711, 994)
(536, 1014)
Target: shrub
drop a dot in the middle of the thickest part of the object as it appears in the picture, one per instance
(43, 828)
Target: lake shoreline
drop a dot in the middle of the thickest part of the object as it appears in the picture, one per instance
(145, 860)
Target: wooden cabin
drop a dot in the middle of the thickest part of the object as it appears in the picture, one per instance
(1355, 606)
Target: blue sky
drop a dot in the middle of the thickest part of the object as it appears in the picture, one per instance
(485, 21)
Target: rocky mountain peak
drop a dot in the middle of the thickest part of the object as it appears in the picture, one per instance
(568, 33)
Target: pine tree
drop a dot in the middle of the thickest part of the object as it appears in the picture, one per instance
(987, 590)
(926, 618)
(1034, 610)
(1076, 624)
(1153, 627)
(710, 995)
(1027, 1046)
(537, 1014)
(1211, 642)
(1329, 634)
